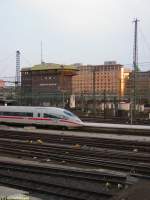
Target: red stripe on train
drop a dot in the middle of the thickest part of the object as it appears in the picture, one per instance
(62, 120)
(29, 118)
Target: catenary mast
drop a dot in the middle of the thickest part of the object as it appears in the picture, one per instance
(135, 65)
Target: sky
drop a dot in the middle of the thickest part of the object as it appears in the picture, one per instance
(73, 31)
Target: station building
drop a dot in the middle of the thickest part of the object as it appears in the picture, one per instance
(46, 84)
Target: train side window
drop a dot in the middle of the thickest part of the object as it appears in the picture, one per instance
(50, 116)
(39, 115)
(22, 114)
(68, 113)
(29, 114)
(7, 113)
(17, 114)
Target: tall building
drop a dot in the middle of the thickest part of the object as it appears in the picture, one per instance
(46, 82)
(142, 86)
(110, 78)
(83, 81)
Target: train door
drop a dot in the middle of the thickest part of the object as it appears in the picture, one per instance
(39, 116)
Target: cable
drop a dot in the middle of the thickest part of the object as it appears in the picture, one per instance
(145, 39)
(27, 60)
(7, 57)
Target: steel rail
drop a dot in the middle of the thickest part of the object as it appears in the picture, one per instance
(86, 160)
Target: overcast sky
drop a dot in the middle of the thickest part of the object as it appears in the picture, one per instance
(86, 31)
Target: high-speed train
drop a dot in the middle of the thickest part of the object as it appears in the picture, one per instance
(51, 116)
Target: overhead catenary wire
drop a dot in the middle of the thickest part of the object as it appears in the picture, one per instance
(147, 43)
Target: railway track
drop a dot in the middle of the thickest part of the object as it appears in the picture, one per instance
(71, 156)
(113, 120)
(90, 129)
(71, 140)
(73, 150)
(132, 158)
(114, 130)
(68, 183)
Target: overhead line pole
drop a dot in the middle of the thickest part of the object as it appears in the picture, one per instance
(135, 66)
(94, 92)
(62, 86)
(41, 52)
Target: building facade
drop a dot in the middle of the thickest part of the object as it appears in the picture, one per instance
(140, 82)
(110, 78)
(45, 84)
(53, 84)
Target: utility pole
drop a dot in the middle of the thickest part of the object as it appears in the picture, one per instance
(42, 52)
(82, 102)
(105, 103)
(94, 92)
(135, 67)
(62, 86)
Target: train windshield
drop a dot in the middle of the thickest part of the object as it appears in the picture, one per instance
(69, 113)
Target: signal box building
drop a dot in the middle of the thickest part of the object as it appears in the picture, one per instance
(46, 84)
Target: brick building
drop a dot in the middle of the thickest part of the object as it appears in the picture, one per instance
(109, 78)
(142, 86)
(45, 84)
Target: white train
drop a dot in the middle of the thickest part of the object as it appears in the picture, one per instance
(39, 115)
